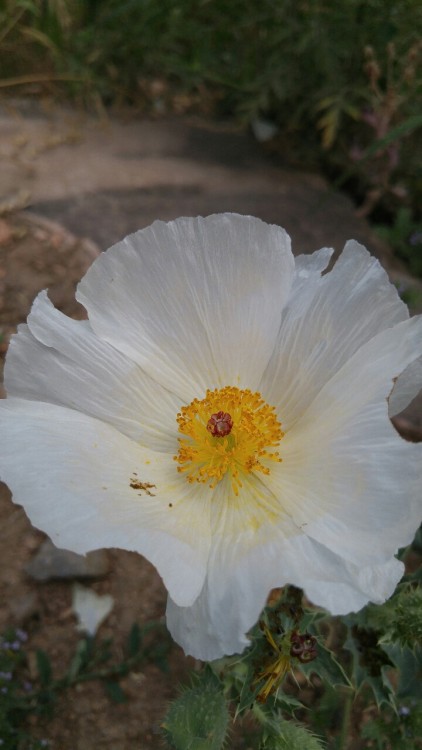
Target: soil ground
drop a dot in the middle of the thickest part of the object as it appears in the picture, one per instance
(103, 182)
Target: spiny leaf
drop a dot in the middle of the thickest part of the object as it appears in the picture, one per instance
(381, 687)
(400, 618)
(371, 663)
(326, 667)
(409, 665)
(285, 735)
(249, 690)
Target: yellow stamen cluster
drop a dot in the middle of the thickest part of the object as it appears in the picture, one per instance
(275, 671)
(205, 457)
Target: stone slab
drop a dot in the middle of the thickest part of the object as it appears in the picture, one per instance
(107, 179)
(51, 563)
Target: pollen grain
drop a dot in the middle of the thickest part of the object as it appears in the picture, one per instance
(145, 486)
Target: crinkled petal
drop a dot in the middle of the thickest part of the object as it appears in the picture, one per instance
(62, 361)
(238, 577)
(326, 320)
(79, 480)
(196, 302)
(241, 571)
(308, 268)
(406, 388)
(354, 586)
(241, 575)
(347, 478)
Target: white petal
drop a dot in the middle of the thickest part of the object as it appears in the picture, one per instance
(90, 608)
(62, 361)
(241, 575)
(196, 302)
(73, 475)
(350, 587)
(326, 320)
(246, 543)
(346, 477)
(309, 265)
(406, 388)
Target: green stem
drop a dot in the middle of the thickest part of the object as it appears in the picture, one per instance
(345, 724)
(259, 713)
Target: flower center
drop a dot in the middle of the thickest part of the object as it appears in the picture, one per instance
(220, 424)
(230, 431)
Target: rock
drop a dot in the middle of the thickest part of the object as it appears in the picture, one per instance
(90, 608)
(50, 563)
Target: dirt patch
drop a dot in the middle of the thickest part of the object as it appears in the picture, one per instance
(36, 254)
(84, 717)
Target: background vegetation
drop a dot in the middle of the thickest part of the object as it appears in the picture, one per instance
(340, 82)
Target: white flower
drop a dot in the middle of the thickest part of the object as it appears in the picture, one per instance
(224, 413)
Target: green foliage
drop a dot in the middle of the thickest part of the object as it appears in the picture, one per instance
(388, 638)
(408, 663)
(396, 730)
(198, 719)
(405, 237)
(12, 660)
(258, 675)
(377, 654)
(399, 619)
(92, 661)
(370, 663)
(341, 80)
(327, 667)
(44, 668)
(299, 659)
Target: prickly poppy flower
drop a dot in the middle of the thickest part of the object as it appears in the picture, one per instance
(224, 412)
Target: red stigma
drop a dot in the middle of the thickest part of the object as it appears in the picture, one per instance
(220, 424)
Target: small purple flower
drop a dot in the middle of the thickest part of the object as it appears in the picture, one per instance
(5, 675)
(27, 686)
(416, 238)
(404, 711)
(356, 153)
(4, 690)
(370, 117)
(15, 646)
(22, 635)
